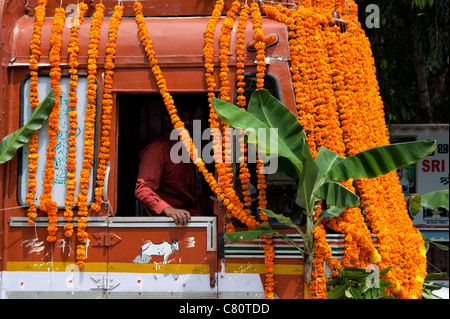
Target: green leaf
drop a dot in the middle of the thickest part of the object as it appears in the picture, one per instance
(335, 281)
(352, 293)
(362, 290)
(368, 294)
(326, 159)
(249, 235)
(434, 276)
(428, 241)
(274, 114)
(430, 286)
(263, 230)
(384, 283)
(414, 204)
(428, 295)
(375, 293)
(307, 181)
(287, 167)
(380, 160)
(337, 195)
(266, 112)
(353, 273)
(12, 142)
(385, 270)
(332, 211)
(337, 292)
(281, 218)
(436, 199)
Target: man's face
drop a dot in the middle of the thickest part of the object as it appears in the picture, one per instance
(187, 117)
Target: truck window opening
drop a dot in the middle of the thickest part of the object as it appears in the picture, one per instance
(140, 123)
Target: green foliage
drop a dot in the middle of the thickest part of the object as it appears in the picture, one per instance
(427, 290)
(392, 51)
(318, 179)
(429, 287)
(12, 142)
(359, 283)
(432, 200)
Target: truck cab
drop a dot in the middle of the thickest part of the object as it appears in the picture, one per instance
(130, 253)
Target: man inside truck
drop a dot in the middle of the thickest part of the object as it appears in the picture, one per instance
(167, 187)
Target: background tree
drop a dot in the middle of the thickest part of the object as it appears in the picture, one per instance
(410, 48)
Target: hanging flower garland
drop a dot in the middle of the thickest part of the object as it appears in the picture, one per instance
(244, 174)
(260, 47)
(33, 155)
(240, 56)
(71, 158)
(89, 134)
(317, 114)
(47, 204)
(400, 244)
(106, 124)
(168, 100)
(107, 104)
(208, 52)
(225, 169)
(229, 199)
(351, 221)
(224, 53)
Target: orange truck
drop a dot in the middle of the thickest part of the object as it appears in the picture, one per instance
(129, 253)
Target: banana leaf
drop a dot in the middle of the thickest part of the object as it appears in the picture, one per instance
(281, 218)
(434, 200)
(12, 142)
(337, 195)
(264, 113)
(380, 160)
(414, 206)
(263, 230)
(307, 181)
(332, 211)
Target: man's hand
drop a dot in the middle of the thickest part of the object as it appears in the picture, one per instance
(180, 216)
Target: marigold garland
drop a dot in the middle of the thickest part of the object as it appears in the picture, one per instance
(71, 158)
(224, 168)
(168, 100)
(316, 104)
(229, 199)
(33, 155)
(224, 53)
(244, 174)
(208, 52)
(400, 243)
(47, 204)
(107, 104)
(361, 120)
(89, 134)
(260, 45)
